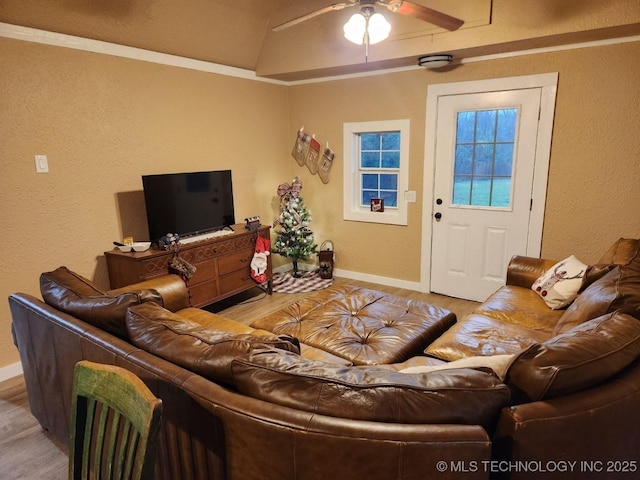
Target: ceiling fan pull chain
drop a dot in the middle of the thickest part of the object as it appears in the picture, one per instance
(366, 34)
(366, 48)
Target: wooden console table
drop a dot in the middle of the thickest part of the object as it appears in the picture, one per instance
(222, 263)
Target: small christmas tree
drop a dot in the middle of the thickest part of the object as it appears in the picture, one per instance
(294, 237)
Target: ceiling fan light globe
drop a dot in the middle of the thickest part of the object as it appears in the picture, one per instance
(355, 29)
(378, 28)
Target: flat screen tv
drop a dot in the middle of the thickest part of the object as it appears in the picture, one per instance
(188, 203)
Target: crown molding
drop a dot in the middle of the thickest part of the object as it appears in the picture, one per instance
(44, 37)
(34, 35)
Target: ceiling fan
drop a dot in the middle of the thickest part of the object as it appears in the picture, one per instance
(395, 6)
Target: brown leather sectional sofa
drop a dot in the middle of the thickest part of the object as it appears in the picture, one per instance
(513, 390)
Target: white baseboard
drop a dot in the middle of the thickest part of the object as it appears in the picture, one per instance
(364, 277)
(387, 281)
(10, 371)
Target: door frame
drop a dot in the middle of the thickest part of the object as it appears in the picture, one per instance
(547, 82)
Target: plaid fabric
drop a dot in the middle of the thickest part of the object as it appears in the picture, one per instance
(307, 282)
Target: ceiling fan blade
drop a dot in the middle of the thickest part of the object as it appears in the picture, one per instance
(309, 16)
(424, 13)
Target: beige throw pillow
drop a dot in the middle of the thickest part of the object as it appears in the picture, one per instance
(497, 363)
(559, 286)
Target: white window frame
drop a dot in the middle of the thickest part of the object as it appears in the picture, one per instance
(352, 210)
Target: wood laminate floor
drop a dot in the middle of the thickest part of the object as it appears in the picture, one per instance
(29, 453)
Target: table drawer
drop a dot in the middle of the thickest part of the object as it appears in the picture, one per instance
(240, 260)
(238, 280)
(204, 271)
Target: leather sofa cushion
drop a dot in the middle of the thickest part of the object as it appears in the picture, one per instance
(510, 320)
(477, 335)
(586, 355)
(221, 323)
(520, 306)
(73, 294)
(617, 290)
(595, 273)
(200, 348)
(457, 396)
(208, 319)
(622, 252)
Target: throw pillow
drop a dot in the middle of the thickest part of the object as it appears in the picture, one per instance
(559, 286)
(498, 364)
(73, 294)
(586, 355)
(458, 396)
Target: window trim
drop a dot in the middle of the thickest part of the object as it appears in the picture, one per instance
(351, 204)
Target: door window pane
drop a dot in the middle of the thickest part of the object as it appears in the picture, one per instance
(506, 125)
(485, 126)
(466, 127)
(464, 155)
(483, 166)
(461, 189)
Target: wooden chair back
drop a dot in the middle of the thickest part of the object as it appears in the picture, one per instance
(115, 421)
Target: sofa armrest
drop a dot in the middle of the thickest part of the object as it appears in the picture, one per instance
(564, 427)
(171, 288)
(523, 271)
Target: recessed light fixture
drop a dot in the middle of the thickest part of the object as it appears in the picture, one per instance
(435, 61)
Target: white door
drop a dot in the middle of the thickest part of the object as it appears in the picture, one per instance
(485, 155)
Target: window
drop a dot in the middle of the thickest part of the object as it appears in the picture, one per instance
(376, 166)
(483, 168)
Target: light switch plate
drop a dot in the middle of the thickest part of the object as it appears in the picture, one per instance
(42, 164)
(410, 196)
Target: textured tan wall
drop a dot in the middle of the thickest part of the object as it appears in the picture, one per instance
(593, 196)
(104, 121)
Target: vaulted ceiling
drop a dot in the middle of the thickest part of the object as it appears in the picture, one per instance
(239, 33)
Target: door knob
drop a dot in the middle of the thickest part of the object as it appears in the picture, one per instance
(439, 201)
(438, 215)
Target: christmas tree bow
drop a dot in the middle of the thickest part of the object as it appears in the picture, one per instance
(293, 189)
(287, 194)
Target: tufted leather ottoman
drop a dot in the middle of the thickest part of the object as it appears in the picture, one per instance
(364, 326)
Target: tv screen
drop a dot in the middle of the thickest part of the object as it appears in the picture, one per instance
(188, 203)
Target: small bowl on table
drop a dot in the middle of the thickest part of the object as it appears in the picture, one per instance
(135, 247)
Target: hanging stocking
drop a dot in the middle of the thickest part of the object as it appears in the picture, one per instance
(181, 267)
(301, 147)
(259, 261)
(325, 164)
(313, 154)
